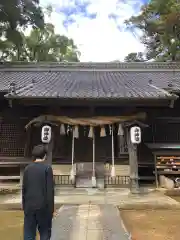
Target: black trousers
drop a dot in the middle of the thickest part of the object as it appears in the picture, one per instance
(39, 219)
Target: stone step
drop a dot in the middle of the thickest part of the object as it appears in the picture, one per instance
(84, 182)
(80, 191)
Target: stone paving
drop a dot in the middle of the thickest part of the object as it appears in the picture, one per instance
(88, 222)
(117, 197)
(91, 214)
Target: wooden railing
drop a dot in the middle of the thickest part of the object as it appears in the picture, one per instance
(117, 181)
(63, 180)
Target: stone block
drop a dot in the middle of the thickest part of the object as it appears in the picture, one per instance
(162, 181)
(169, 183)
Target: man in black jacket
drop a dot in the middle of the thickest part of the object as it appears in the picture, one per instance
(38, 196)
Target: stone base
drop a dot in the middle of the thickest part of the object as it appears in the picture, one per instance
(135, 191)
(21, 175)
(166, 182)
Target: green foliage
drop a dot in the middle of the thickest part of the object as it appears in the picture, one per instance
(42, 44)
(16, 14)
(46, 45)
(134, 57)
(159, 21)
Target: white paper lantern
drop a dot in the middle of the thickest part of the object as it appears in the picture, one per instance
(46, 134)
(135, 134)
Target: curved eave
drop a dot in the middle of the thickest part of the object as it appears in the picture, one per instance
(166, 96)
(161, 101)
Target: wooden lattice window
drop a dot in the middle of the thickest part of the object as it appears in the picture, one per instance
(165, 132)
(12, 138)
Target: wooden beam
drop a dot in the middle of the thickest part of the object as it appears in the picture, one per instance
(92, 102)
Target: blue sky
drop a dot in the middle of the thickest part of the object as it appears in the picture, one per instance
(97, 26)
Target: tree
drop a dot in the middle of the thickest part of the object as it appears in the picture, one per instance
(46, 45)
(159, 22)
(134, 57)
(41, 45)
(17, 14)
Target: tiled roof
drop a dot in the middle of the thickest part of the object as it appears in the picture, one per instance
(91, 80)
(21, 78)
(92, 65)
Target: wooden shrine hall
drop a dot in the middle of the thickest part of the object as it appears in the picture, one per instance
(91, 108)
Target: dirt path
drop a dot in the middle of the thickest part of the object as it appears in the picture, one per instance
(152, 224)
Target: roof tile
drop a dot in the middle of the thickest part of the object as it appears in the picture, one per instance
(90, 80)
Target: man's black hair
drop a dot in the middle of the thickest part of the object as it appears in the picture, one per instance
(39, 152)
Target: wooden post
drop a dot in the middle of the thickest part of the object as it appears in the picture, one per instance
(156, 173)
(72, 174)
(112, 146)
(133, 164)
(27, 144)
(93, 163)
(50, 150)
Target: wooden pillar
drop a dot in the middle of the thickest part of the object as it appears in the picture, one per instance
(133, 164)
(28, 142)
(50, 150)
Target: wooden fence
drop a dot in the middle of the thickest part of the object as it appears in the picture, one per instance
(118, 181)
